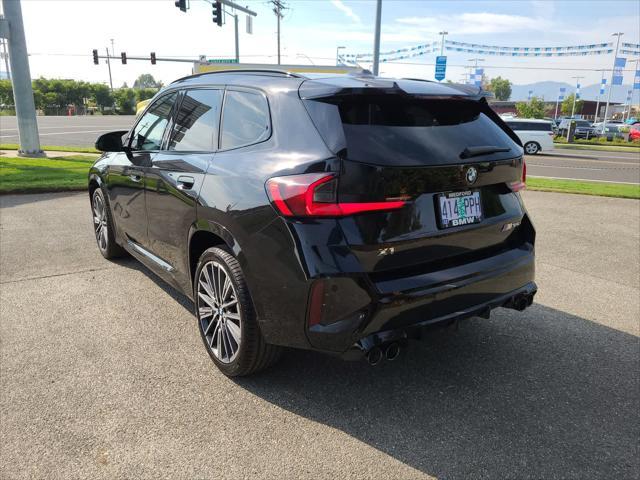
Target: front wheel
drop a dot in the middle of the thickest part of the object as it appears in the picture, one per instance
(226, 317)
(531, 148)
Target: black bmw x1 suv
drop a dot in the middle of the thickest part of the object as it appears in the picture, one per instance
(342, 214)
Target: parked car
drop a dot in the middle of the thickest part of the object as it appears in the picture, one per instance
(535, 135)
(634, 132)
(584, 129)
(608, 131)
(340, 214)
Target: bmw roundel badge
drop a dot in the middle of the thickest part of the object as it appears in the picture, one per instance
(472, 175)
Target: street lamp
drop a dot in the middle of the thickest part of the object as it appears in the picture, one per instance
(613, 71)
(443, 33)
(338, 63)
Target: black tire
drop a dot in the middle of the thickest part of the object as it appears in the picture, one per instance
(103, 229)
(531, 148)
(253, 353)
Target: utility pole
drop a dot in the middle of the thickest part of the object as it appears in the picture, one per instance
(575, 95)
(613, 72)
(12, 29)
(278, 7)
(376, 40)
(109, 67)
(235, 23)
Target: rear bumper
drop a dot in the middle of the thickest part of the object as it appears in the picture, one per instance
(399, 308)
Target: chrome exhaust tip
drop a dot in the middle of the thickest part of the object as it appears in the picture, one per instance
(392, 351)
(374, 356)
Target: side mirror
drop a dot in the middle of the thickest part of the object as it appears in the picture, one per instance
(111, 142)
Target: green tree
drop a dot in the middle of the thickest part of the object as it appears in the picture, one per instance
(101, 95)
(146, 80)
(500, 87)
(531, 109)
(145, 93)
(125, 100)
(6, 92)
(567, 105)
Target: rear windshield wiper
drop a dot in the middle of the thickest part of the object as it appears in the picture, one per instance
(482, 150)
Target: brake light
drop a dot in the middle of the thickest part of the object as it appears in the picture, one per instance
(316, 195)
(522, 184)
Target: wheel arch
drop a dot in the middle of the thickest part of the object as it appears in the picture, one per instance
(207, 234)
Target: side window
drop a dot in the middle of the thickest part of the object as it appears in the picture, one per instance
(245, 119)
(513, 126)
(147, 134)
(196, 126)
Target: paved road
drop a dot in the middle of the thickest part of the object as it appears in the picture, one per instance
(579, 164)
(586, 165)
(103, 374)
(76, 131)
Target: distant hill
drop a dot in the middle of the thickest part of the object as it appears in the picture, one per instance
(549, 91)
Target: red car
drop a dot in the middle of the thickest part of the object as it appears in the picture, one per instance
(634, 133)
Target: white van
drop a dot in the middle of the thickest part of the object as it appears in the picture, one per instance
(535, 135)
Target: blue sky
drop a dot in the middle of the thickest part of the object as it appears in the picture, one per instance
(61, 34)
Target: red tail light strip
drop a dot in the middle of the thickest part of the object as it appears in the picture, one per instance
(522, 184)
(294, 196)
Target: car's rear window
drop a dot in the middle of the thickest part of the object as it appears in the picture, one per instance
(404, 130)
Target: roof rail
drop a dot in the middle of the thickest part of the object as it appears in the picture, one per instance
(245, 71)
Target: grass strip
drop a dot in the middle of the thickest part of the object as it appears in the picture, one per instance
(53, 148)
(619, 190)
(27, 175)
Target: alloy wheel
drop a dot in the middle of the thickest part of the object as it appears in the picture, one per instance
(100, 222)
(531, 148)
(219, 312)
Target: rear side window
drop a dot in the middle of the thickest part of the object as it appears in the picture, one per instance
(148, 132)
(405, 130)
(245, 119)
(197, 120)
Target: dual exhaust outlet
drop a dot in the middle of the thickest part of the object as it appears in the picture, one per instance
(389, 351)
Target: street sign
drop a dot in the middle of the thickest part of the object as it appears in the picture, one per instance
(222, 60)
(441, 67)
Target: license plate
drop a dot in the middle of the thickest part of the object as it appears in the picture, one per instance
(459, 208)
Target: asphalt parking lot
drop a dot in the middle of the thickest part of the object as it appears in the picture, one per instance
(79, 131)
(103, 374)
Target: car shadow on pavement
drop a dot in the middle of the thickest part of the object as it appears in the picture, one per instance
(539, 394)
(534, 394)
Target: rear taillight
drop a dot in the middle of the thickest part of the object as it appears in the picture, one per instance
(522, 184)
(316, 195)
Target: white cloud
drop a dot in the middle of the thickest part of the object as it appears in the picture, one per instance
(477, 23)
(348, 11)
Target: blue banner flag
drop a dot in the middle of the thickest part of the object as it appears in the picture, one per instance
(441, 67)
(636, 81)
(618, 70)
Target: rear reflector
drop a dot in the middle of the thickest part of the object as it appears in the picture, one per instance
(316, 195)
(522, 184)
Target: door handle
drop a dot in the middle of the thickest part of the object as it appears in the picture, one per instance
(185, 183)
(136, 177)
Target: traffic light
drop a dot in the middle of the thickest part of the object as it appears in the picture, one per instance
(123, 57)
(217, 13)
(182, 5)
(95, 57)
(153, 58)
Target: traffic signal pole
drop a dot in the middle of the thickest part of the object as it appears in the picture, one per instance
(13, 30)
